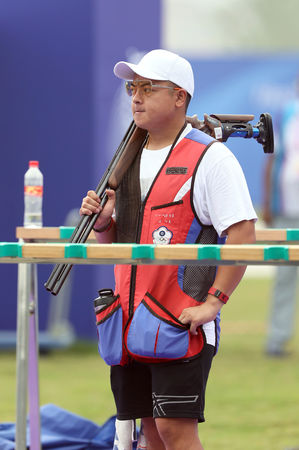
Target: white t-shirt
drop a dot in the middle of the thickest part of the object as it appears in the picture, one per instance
(151, 161)
(221, 197)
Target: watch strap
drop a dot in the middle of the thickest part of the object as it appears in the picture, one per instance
(217, 293)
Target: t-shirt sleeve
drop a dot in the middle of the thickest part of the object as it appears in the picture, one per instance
(221, 196)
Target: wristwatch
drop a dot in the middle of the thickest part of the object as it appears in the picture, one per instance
(217, 293)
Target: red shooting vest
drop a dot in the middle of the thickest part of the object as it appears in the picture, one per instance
(150, 298)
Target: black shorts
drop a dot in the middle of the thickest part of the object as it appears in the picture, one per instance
(175, 389)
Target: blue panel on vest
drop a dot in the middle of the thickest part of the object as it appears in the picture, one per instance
(193, 232)
(110, 338)
(199, 136)
(159, 339)
(190, 239)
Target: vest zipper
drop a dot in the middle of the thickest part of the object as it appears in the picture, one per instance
(132, 291)
(134, 268)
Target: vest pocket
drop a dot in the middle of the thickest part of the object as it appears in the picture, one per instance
(164, 222)
(154, 332)
(109, 324)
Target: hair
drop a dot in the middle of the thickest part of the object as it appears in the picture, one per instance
(188, 100)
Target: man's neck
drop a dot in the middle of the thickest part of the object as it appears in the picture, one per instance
(163, 137)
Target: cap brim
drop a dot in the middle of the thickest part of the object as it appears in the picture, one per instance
(127, 71)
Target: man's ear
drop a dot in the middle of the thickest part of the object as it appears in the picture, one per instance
(181, 97)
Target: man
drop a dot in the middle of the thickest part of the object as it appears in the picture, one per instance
(281, 210)
(183, 187)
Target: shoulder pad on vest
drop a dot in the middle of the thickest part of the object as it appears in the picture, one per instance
(199, 136)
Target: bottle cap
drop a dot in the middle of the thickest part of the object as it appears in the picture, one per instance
(33, 163)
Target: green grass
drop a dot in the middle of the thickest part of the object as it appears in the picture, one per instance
(251, 400)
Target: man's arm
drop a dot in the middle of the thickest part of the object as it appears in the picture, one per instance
(227, 279)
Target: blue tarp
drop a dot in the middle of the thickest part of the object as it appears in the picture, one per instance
(61, 429)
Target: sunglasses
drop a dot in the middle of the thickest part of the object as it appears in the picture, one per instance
(145, 87)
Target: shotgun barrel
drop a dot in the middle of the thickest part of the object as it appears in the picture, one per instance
(121, 160)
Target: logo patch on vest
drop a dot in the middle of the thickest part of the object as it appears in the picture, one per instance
(162, 236)
(176, 170)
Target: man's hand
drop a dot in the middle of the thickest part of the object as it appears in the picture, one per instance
(208, 125)
(91, 205)
(198, 315)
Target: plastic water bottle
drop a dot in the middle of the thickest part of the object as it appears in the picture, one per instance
(33, 196)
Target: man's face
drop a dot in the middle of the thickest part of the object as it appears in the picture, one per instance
(154, 108)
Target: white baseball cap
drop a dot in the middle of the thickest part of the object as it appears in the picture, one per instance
(159, 65)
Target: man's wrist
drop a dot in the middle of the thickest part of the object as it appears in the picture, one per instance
(105, 228)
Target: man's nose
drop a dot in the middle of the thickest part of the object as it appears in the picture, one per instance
(137, 97)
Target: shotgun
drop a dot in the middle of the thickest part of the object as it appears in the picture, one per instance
(220, 126)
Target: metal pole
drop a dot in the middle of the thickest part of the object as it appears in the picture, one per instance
(22, 354)
(33, 384)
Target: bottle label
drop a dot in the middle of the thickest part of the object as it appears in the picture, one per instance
(36, 191)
